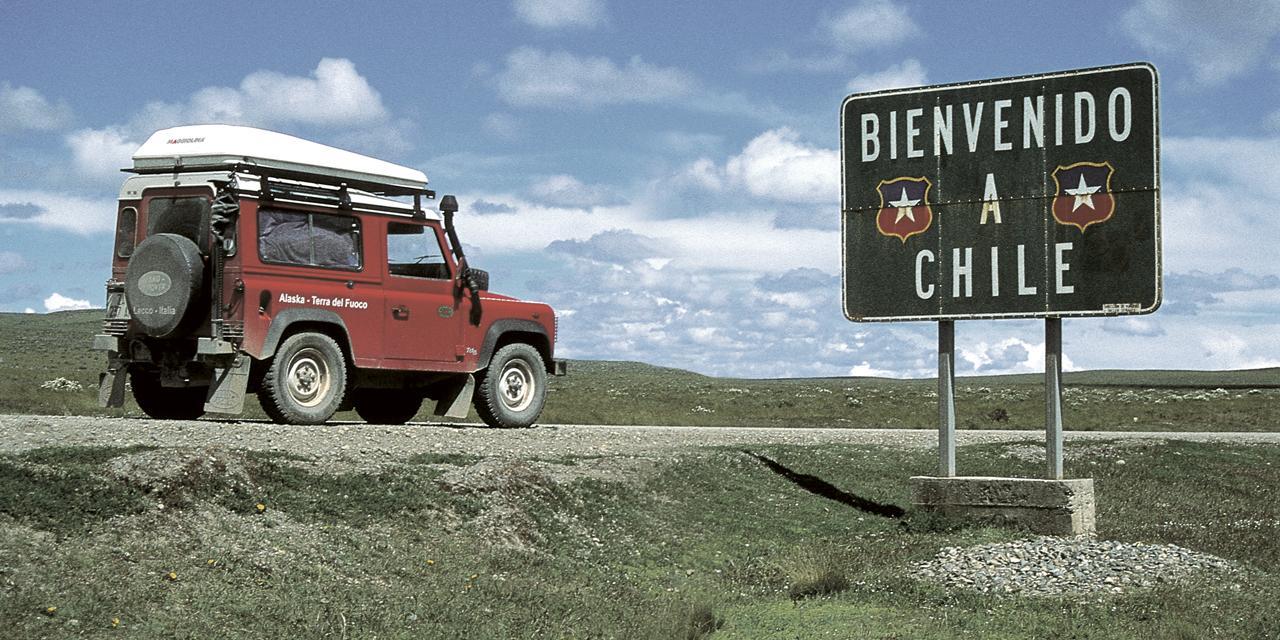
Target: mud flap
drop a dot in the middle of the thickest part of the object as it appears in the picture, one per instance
(111, 385)
(456, 401)
(226, 392)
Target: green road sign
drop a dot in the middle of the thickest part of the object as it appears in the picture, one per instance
(1027, 197)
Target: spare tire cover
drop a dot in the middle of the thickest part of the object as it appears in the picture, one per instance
(163, 282)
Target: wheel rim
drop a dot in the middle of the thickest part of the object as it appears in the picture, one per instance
(517, 386)
(308, 379)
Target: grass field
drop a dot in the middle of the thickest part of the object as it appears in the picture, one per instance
(709, 544)
(35, 349)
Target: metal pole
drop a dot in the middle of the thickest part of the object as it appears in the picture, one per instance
(946, 398)
(1053, 396)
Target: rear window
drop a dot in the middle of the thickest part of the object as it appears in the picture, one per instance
(309, 239)
(187, 217)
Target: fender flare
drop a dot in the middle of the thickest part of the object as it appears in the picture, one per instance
(502, 327)
(281, 322)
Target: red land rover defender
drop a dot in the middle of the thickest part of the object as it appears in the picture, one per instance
(251, 261)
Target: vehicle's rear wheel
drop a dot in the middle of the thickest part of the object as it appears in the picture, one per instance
(387, 406)
(306, 381)
(165, 403)
(512, 391)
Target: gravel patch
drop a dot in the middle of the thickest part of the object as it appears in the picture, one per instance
(347, 446)
(1050, 566)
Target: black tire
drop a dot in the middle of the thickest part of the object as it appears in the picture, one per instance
(512, 391)
(306, 381)
(387, 406)
(165, 403)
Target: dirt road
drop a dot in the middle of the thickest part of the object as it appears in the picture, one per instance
(359, 442)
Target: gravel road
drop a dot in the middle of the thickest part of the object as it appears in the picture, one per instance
(353, 441)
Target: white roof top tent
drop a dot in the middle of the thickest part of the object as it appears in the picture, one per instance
(223, 146)
(276, 159)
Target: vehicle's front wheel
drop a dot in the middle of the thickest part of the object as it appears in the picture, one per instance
(386, 406)
(306, 381)
(513, 389)
(165, 403)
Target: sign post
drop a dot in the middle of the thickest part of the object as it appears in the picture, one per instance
(1026, 197)
(1053, 396)
(946, 398)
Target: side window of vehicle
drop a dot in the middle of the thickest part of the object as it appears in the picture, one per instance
(309, 239)
(126, 227)
(413, 250)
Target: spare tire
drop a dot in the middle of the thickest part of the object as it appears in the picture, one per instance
(163, 285)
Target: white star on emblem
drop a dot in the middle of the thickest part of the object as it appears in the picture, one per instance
(904, 205)
(1083, 193)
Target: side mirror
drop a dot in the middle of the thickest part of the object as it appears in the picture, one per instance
(448, 204)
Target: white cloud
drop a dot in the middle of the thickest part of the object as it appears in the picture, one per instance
(1228, 350)
(59, 302)
(739, 240)
(871, 24)
(28, 310)
(908, 73)
(703, 173)
(379, 140)
(616, 246)
(1219, 42)
(556, 14)
(71, 213)
(24, 109)
(775, 165)
(1133, 326)
(568, 191)
(865, 370)
(11, 262)
(1218, 195)
(334, 95)
(534, 78)
(102, 153)
(503, 126)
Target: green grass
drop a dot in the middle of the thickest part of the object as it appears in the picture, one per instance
(710, 544)
(36, 348)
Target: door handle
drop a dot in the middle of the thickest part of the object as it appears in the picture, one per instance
(400, 312)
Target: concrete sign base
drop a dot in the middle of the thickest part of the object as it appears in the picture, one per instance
(1049, 507)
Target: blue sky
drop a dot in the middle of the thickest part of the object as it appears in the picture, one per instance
(665, 174)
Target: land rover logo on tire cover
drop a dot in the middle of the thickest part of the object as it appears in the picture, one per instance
(154, 283)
